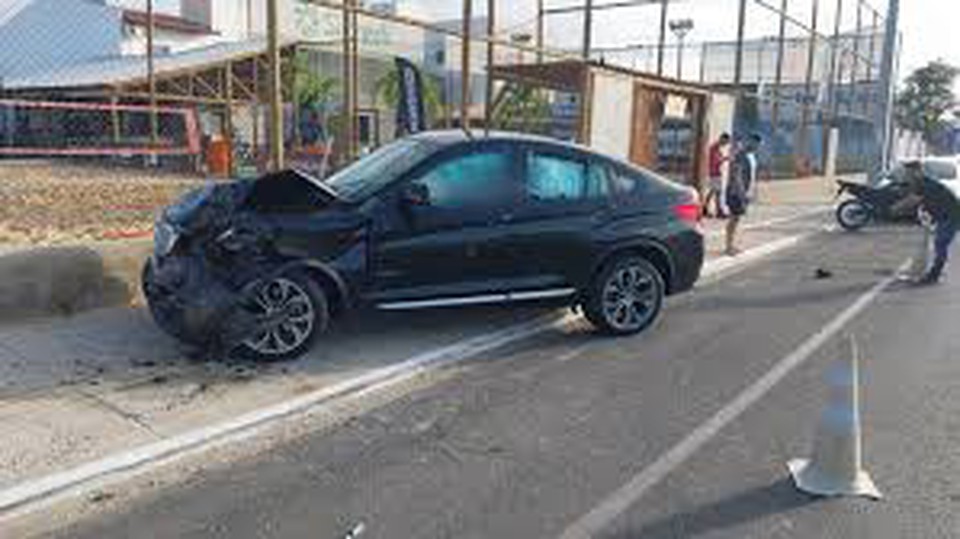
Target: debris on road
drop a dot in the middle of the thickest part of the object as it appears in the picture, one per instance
(822, 273)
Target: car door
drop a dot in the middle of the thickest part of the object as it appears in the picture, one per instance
(565, 201)
(442, 233)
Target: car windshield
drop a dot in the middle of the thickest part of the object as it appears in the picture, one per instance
(367, 176)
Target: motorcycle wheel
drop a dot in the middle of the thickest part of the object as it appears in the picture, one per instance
(853, 215)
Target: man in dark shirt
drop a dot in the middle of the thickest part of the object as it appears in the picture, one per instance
(944, 209)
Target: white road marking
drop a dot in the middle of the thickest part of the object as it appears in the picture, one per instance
(34, 494)
(772, 222)
(619, 501)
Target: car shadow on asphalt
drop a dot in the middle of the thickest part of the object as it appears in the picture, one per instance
(740, 508)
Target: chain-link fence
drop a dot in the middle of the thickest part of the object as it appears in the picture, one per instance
(93, 143)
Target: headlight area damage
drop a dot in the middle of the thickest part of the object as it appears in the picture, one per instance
(220, 278)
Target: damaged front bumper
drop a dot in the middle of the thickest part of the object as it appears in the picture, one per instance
(188, 302)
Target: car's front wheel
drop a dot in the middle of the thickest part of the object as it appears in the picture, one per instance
(293, 310)
(625, 297)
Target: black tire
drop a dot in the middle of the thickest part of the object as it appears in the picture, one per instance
(612, 293)
(290, 339)
(853, 215)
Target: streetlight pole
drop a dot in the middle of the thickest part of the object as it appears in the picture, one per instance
(884, 119)
(680, 28)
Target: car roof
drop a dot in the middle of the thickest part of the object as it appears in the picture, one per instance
(449, 137)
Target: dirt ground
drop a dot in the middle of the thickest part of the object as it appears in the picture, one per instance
(49, 203)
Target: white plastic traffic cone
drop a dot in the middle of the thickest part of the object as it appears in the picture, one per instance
(920, 261)
(836, 467)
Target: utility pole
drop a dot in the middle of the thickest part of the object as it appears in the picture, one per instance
(276, 86)
(465, 66)
(587, 29)
(151, 77)
(491, 31)
(778, 75)
(540, 15)
(738, 54)
(661, 40)
(884, 118)
(808, 80)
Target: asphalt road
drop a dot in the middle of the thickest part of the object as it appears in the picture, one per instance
(529, 439)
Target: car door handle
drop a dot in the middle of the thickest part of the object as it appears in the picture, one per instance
(506, 218)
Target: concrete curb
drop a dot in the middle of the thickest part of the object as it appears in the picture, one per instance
(45, 281)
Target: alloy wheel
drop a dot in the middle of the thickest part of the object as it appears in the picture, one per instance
(629, 298)
(290, 317)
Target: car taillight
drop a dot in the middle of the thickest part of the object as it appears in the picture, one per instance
(689, 213)
(689, 210)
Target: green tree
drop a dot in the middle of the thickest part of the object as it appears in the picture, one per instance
(310, 88)
(387, 91)
(926, 97)
(524, 108)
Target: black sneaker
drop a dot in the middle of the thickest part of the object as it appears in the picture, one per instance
(928, 280)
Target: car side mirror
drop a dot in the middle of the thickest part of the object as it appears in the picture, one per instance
(416, 194)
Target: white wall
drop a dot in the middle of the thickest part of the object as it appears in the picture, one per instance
(720, 115)
(611, 114)
(48, 34)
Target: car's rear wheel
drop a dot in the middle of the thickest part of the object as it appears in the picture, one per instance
(625, 297)
(295, 311)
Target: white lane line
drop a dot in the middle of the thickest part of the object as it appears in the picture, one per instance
(619, 501)
(29, 494)
(773, 222)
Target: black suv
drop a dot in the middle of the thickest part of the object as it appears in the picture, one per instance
(438, 219)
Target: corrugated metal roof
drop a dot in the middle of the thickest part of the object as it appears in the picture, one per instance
(10, 8)
(126, 69)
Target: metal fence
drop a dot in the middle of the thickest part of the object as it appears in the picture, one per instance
(206, 103)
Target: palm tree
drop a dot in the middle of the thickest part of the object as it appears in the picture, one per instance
(387, 91)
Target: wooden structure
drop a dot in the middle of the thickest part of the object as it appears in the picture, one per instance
(654, 106)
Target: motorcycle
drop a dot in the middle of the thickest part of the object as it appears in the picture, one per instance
(872, 203)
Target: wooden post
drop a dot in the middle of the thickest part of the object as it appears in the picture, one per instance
(587, 30)
(151, 77)
(491, 31)
(228, 117)
(355, 84)
(662, 38)
(465, 66)
(276, 86)
(348, 81)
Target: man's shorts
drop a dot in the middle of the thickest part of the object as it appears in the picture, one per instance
(736, 205)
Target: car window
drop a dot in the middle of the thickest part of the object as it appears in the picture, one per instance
(628, 182)
(554, 178)
(480, 179)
